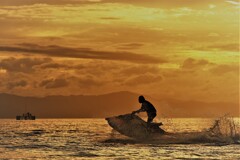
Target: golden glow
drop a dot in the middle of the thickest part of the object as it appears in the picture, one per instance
(3, 71)
(187, 50)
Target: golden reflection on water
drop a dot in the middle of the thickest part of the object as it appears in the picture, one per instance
(86, 139)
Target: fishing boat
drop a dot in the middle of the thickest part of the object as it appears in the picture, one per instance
(26, 116)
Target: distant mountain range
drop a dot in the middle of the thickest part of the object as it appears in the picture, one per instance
(99, 106)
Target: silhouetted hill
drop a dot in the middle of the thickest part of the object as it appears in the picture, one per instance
(106, 105)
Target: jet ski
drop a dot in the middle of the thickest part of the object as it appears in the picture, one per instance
(133, 126)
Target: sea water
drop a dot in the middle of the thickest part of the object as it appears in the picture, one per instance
(95, 139)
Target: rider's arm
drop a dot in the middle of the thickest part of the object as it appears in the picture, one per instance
(142, 109)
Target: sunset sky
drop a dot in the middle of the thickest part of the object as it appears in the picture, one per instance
(182, 49)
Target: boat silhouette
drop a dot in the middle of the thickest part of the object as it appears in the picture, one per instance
(26, 116)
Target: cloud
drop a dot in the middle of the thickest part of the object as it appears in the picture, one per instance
(172, 29)
(191, 63)
(87, 53)
(167, 3)
(224, 68)
(138, 70)
(128, 46)
(110, 18)
(52, 2)
(54, 83)
(53, 65)
(144, 79)
(87, 82)
(56, 65)
(233, 47)
(25, 65)
(20, 83)
(234, 2)
(152, 3)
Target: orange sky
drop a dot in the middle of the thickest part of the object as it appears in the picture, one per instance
(183, 49)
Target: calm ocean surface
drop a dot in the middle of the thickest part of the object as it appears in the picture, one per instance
(94, 139)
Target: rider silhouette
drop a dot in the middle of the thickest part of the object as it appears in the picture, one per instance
(146, 107)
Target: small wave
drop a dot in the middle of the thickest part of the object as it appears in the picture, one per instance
(84, 154)
(38, 131)
(33, 146)
(73, 131)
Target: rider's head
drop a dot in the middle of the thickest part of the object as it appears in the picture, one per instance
(141, 99)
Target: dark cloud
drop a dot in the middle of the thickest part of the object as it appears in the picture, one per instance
(222, 69)
(59, 51)
(20, 83)
(54, 83)
(191, 63)
(128, 46)
(25, 65)
(110, 18)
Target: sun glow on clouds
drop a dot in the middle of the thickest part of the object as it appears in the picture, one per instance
(3, 71)
(159, 48)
